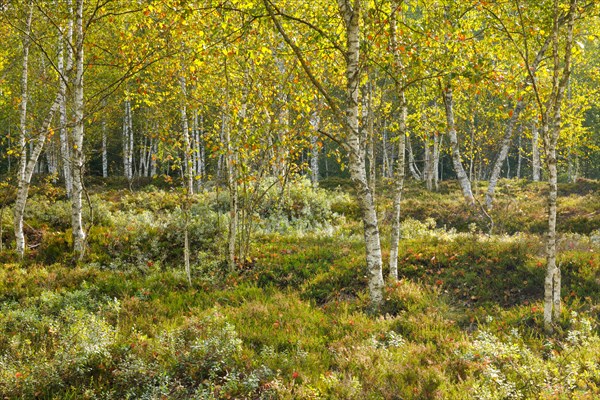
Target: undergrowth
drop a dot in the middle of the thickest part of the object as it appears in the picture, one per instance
(294, 320)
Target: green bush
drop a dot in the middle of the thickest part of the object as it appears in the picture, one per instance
(511, 369)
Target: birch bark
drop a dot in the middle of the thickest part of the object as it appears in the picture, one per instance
(400, 163)
(463, 179)
(315, 122)
(350, 10)
(64, 71)
(23, 187)
(23, 182)
(535, 153)
(78, 132)
(24, 93)
(104, 150)
(187, 149)
(551, 125)
(437, 142)
(412, 164)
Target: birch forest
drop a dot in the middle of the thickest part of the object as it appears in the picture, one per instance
(291, 199)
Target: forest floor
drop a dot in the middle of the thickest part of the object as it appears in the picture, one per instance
(293, 321)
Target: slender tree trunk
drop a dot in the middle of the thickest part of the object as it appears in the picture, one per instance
(64, 71)
(552, 281)
(104, 150)
(551, 121)
(189, 173)
(24, 94)
(201, 148)
(315, 121)
(463, 179)
(131, 139)
(472, 156)
(23, 188)
(436, 160)
(386, 167)
(125, 140)
(128, 141)
(398, 188)
(519, 151)
(400, 164)
(153, 158)
(351, 13)
(370, 137)
(143, 147)
(186, 250)
(428, 165)
(78, 156)
(22, 181)
(52, 160)
(149, 154)
(196, 150)
(233, 192)
(412, 164)
(230, 159)
(535, 153)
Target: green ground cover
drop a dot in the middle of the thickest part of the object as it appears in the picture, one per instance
(293, 321)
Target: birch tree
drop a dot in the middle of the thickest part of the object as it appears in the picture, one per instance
(400, 167)
(78, 160)
(350, 14)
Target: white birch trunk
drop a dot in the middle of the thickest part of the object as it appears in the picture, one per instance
(371, 139)
(131, 145)
(78, 156)
(398, 188)
(194, 146)
(125, 140)
(437, 144)
(153, 158)
(350, 10)
(412, 164)
(461, 175)
(187, 149)
(128, 141)
(386, 168)
(519, 151)
(52, 160)
(24, 95)
(551, 121)
(149, 156)
(428, 167)
(535, 153)
(400, 163)
(24, 183)
(315, 122)
(200, 148)
(233, 193)
(104, 150)
(65, 140)
(283, 120)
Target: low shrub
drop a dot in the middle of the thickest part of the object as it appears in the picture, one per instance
(509, 368)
